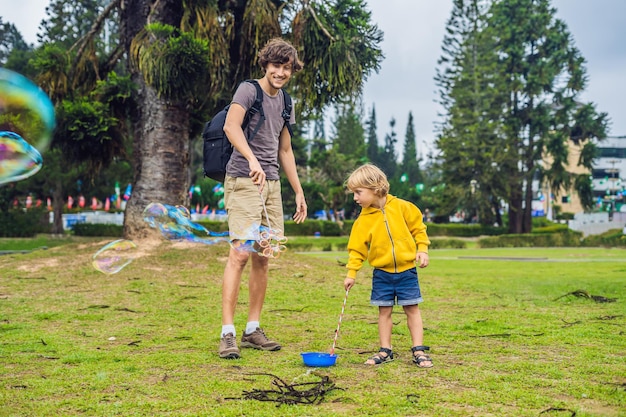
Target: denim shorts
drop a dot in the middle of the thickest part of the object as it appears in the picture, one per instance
(401, 288)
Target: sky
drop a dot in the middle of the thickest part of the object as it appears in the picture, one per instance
(413, 32)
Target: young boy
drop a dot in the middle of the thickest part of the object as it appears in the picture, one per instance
(391, 235)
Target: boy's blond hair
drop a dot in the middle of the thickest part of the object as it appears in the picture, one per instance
(371, 177)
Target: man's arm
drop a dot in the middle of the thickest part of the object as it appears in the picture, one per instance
(288, 162)
(234, 132)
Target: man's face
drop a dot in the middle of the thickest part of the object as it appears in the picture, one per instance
(278, 74)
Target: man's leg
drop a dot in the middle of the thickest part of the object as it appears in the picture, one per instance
(230, 293)
(256, 338)
(257, 285)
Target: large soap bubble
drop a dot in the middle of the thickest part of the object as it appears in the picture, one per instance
(174, 223)
(18, 159)
(25, 109)
(114, 256)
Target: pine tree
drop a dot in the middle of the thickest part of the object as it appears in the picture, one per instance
(372, 138)
(543, 75)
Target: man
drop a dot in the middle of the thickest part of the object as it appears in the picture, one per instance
(252, 191)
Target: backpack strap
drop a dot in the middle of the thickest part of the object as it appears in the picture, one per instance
(257, 107)
(287, 112)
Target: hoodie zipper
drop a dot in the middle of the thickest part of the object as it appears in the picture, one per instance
(393, 248)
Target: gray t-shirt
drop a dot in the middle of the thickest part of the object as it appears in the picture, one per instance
(264, 145)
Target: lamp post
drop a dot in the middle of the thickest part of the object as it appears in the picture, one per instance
(473, 185)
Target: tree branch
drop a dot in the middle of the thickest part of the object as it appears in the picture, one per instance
(95, 28)
(319, 23)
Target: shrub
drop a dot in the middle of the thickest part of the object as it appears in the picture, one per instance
(98, 229)
(565, 238)
(447, 244)
(24, 223)
(463, 230)
(610, 238)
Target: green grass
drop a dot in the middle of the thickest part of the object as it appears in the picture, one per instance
(506, 339)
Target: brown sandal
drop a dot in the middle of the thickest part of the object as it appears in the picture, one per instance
(421, 357)
(380, 359)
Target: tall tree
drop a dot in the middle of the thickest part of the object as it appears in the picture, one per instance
(372, 137)
(172, 43)
(12, 47)
(543, 74)
(410, 163)
(510, 87)
(468, 135)
(387, 157)
(408, 174)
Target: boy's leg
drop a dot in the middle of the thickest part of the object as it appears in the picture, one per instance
(385, 325)
(384, 332)
(414, 322)
(416, 328)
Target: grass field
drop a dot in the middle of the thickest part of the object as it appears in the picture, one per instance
(513, 332)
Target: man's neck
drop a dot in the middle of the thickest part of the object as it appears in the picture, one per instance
(265, 85)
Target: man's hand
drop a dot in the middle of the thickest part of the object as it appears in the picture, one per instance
(257, 174)
(301, 209)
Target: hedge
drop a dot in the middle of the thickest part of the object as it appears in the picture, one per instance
(24, 223)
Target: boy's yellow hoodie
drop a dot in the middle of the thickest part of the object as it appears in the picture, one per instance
(389, 238)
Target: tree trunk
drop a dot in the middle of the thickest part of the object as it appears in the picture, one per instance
(161, 152)
(160, 127)
(57, 207)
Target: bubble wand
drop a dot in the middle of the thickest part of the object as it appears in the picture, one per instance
(332, 350)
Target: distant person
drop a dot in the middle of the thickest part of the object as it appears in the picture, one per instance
(391, 235)
(252, 194)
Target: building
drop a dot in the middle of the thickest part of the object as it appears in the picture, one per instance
(609, 174)
(608, 181)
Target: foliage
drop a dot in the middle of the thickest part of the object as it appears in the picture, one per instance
(172, 62)
(610, 239)
(24, 223)
(463, 230)
(510, 84)
(340, 48)
(103, 230)
(563, 238)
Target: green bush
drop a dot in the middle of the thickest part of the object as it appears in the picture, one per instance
(551, 228)
(214, 226)
(447, 244)
(98, 229)
(610, 238)
(463, 230)
(565, 238)
(24, 223)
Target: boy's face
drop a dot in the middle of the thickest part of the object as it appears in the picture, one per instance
(365, 197)
(277, 75)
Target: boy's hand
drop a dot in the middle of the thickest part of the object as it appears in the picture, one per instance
(421, 259)
(348, 283)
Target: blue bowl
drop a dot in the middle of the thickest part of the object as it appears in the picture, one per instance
(318, 359)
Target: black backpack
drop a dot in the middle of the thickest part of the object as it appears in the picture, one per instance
(217, 148)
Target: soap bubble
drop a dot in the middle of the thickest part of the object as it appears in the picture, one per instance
(265, 241)
(174, 223)
(114, 256)
(25, 109)
(18, 159)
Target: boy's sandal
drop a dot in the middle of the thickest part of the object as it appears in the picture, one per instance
(421, 357)
(378, 358)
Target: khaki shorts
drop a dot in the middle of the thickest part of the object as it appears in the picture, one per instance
(244, 206)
